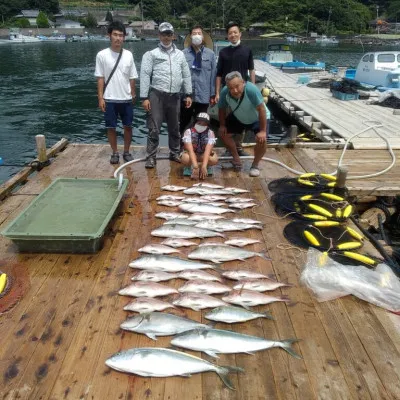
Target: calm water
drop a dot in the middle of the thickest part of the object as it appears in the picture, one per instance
(49, 88)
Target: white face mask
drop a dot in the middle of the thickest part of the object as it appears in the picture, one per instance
(165, 47)
(235, 44)
(200, 128)
(197, 40)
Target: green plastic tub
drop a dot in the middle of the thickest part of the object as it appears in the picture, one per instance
(70, 216)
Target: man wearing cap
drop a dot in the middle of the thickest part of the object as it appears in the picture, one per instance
(248, 112)
(164, 71)
(202, 64)
(198, 142)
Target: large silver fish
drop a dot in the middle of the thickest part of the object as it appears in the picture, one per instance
(153, 276)
(260, 285)
(242, 206)
(232, 314)
(203, 208)
(236, 190)
(166, 263)
(145, 305)
(216, 341)
(181, 221)
(169, 203)
(204, 217)
(160, 362)
(170, 215)
(205, 287)
(183, 232)
(240, 274)
(203, 191)
(238, 200)
(218, 254)
(169, 197)
(146, 289)
(173, 188)
(160, 324)
(207, 185)
(226, 225)
(241, 241)
(198, 274)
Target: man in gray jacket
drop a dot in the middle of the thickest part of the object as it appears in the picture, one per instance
(164, 71)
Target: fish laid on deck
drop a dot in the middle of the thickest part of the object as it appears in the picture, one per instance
(232, 314)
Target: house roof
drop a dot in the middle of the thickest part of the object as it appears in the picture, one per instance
(139, 23)
(30, 13)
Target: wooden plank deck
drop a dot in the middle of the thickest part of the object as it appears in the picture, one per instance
(330, 118)
(55, 340)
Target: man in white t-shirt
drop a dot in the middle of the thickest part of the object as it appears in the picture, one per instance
(116, 90)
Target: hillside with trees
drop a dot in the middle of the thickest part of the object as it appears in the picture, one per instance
(322, 16)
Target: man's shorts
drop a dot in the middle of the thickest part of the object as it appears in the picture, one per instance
(234, 126)
(123, 110)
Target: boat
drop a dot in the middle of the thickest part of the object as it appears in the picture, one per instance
(279, 55)
(378, 69)
(15, 36)
(323, 40)
(131, 38)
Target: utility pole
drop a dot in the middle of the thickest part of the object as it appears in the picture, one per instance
(223, 13)
(377, 16)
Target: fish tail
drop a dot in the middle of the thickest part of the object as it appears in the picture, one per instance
(268, 315)
(287, 346)
(264, 256)
(223, 372)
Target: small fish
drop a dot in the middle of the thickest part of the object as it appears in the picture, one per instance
(203, 208)
(183, 232)
(212, 244)
(218, 254)
(247, 221)
(146, 289)
(242, 206)
(158, 249)
(169, 197)
(215, 197)
(181, 221)
(166, 263)
(241, 241)
(248, 298)
(173, 188)
(160, 362)
(207, 185)
(195, 200)
(226, 225)
(160, 324)
(204, 287)
(236, 190)
(169, 203)
(153, 276)
(204, 217)
(144, 305)
(170, 215)
(215, 341)
(175, 242)
(232, 314)
(260, 285)
(240, 274)
(238, 200)
(197, 301)
(207, 191)
(198, 274)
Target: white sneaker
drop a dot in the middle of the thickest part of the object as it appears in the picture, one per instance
(254, 171)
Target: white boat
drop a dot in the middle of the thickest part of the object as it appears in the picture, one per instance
(380, 68)
(131, 38)
(280, 56)
(323, 39)
(16, 37)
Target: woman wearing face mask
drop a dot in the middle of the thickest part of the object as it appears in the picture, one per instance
(198, 143)
(202, 64)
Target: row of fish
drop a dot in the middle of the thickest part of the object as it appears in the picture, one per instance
(198, 217)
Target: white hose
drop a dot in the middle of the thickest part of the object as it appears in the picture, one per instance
(271, 160)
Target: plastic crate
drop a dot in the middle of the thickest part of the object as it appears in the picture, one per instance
(70, 216)
(345, 96)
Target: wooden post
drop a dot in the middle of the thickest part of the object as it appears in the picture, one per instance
(294, 130)
(41, 148)
(341, 177)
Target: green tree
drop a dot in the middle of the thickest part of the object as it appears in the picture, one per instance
(90, 21)
(42, 21)
(22, 23)
(47, 6)
(9, 8)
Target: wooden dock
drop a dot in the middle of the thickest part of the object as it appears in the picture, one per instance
(55, 340)
(332, 120)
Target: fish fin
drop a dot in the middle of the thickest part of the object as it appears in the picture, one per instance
(216, 261)
(186, 375)
(211, 353)
(246, 307)
(286, 345)
(250, 352)
(223, 372)
(264, 256)
(268, 315)
(151, 336)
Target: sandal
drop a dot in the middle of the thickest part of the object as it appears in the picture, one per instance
(114, 159)
(237, 167)
(127, 156)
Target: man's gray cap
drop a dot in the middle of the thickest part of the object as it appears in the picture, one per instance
(166, 27)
